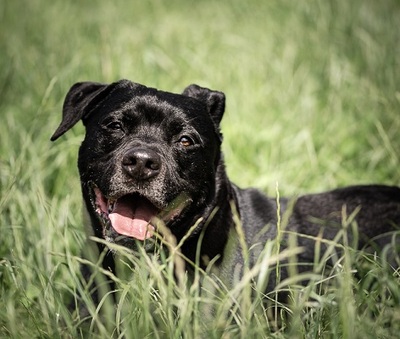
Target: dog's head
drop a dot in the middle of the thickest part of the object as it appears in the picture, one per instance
(147, 155)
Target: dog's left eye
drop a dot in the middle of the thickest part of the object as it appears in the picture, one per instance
(186, 141)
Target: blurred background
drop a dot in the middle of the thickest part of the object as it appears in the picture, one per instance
(313, 102)
(312, 88)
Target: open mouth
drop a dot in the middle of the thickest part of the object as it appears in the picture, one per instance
(131, 215)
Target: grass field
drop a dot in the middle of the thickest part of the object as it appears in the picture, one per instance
(313, 102)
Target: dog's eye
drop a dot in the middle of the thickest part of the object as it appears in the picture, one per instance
(186, 141)
(115, 125)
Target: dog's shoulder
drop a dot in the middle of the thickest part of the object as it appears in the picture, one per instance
(257, 211)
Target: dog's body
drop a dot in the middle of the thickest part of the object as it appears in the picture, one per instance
(150, 155)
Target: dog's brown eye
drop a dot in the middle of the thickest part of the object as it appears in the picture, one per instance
(185, 141)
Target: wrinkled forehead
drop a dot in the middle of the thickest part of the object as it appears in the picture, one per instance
(157, 108)
(151, 106)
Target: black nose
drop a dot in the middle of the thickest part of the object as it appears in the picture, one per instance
(141, 163)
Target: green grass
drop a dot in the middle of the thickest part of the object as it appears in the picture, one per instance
(313, 102)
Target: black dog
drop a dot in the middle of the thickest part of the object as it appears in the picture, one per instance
(150, 155)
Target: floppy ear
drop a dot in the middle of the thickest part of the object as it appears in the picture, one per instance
(214, 100)
(80, 100)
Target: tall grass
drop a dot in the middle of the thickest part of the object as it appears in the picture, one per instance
(312, 103)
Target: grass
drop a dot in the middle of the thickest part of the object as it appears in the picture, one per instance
(312, 103)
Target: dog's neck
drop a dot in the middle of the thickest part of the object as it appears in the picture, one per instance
(216, 224)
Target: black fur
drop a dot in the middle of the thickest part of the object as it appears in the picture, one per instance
(178, 168)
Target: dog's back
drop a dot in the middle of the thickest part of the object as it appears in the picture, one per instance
(361, 217)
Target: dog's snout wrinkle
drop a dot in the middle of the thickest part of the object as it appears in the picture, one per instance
(141, 163)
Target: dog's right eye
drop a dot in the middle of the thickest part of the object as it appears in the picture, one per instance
(114, 125)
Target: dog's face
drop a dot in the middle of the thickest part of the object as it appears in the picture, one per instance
(147, 155)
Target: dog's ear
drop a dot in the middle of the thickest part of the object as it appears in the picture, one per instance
(79, 101)
(84, 97)
(214, 100)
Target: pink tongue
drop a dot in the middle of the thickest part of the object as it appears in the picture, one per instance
(131, 217)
